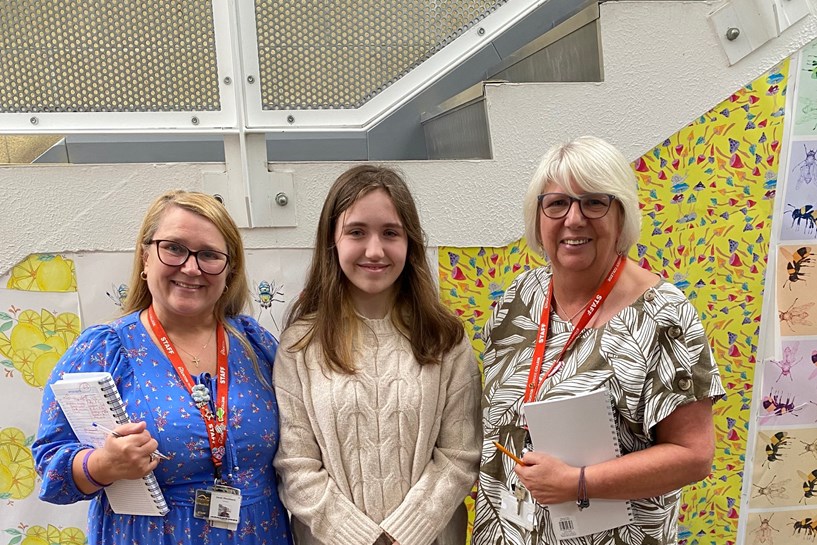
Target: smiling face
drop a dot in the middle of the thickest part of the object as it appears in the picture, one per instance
(575, 244)
(184, 294)
(372, 246)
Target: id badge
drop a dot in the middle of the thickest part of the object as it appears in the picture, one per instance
(201, 504)
(225, 507)
(517, 511)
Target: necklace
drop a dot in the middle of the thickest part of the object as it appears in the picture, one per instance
(195, 359)
(559, 305)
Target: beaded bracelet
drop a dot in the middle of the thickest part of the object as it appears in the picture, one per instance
(582, 502)
(88, 473)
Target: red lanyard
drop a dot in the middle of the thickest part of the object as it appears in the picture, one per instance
(535, 380)
(216, 423)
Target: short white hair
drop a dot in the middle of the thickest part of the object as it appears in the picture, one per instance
(586, 165)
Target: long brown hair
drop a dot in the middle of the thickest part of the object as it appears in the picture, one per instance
(326, 302)
(236, 297)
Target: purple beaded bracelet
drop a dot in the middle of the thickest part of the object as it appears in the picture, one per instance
(88, 473)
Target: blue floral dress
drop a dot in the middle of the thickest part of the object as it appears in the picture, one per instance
(153, 393)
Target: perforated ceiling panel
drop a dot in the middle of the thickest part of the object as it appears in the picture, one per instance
(320, 55)
(107, 56)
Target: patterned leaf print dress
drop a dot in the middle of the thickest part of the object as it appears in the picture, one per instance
(653, 356)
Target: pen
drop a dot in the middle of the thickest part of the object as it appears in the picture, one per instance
(507, 452)
(115, 434)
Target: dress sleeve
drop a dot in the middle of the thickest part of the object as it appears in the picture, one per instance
(452, 470)
(681, 368)
(262, 341)
(306, 488)
(97, 349)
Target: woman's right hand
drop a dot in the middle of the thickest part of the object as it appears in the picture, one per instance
(125, 457)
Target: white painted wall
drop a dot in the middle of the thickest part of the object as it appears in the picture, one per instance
(663, 68)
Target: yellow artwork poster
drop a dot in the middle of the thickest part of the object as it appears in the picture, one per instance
(707, 195)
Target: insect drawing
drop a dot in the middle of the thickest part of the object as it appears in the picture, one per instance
(774, 445)
(774, 405)
(809, 485)
(788, 362)
(808, 167)
(118, 294)
(809, 447)
(808, 525)
(799, 259)
(773, 490)
(763, 533)
(805, 214)
(266, 294)
(796, 315)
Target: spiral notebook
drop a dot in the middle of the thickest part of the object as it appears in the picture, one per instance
(86, 398)
(580, 431)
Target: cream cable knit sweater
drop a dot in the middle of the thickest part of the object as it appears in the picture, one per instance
(394, 447)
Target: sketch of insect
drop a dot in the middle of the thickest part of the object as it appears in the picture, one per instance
(808, 167)
(809, 485)
(807, 525)
(788, 362)
(809, 447)
(266, 294)
(794, 268)
(774, 445)
(796, 315)
(118, 294)
(773, 490)
(809, 112)
(805, 213)
(763, 533)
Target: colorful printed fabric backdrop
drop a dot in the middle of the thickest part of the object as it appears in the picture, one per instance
(707, 197)
(783, 479)
(39, 318)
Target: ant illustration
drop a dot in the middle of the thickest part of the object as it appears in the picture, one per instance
(796, 315)
(265, 295)
(804, 213)
(808, 167)
(775, 445)
(763, 533)
(788, 361)
(776, 490)
(799, 259)
(118, 294)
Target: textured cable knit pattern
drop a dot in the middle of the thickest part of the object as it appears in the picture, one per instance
(394, 447)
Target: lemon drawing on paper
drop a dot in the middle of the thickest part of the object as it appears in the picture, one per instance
(17, 475)
(32, 342)
(39, 535)
(43, 272)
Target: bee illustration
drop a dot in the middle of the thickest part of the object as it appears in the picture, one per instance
(799, 259)
(773, 490)
(788, 362)
(774, 405)
(804, 213)
(266, 294)
(763, 533)
(775, 444)
(118, 295)
(809, 484)
(797, 315)
(808, 167)
(807, 525)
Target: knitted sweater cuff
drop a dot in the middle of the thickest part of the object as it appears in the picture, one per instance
(409, 527)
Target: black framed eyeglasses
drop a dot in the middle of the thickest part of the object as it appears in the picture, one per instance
(592, 205)
(175, 254)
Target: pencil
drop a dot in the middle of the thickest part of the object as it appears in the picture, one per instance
(510, 454)
(115, 434)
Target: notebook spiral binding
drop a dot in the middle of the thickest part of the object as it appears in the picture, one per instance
(120, 414)
(612, 417)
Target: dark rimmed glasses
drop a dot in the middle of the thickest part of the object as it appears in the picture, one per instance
(592, 205)
(175, 254)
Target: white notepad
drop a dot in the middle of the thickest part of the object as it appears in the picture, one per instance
(86, 398)
(580, 431)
